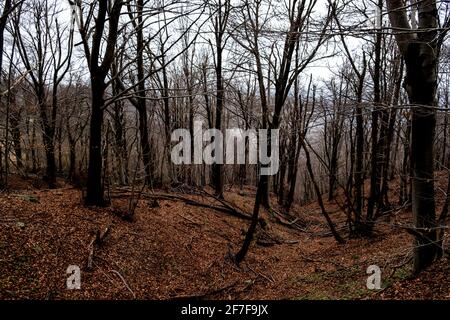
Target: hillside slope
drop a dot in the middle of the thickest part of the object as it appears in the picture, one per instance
(174, 250)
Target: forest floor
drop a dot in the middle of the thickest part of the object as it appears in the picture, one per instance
(174, 250)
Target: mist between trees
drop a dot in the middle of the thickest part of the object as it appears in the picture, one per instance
(91, 92)
(251, 147)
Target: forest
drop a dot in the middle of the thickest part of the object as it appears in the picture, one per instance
(224, 149)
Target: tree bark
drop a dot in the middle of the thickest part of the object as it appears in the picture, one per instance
(94, 194)
(420, 53)
(99, 68)
(375, 179)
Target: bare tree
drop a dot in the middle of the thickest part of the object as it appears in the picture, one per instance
(299, 13)
(222, 10)
(99, 64)
(46, 51)
(3, 21)
(420, 49)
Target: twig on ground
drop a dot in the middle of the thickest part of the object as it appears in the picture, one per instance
(189, 219)
(340, 266)
(124, 282)
(260, 274)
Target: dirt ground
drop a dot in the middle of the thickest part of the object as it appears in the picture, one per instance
(175, 250)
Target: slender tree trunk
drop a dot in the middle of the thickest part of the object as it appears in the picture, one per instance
(120, 143)
(217, 168)
(167, 122)
(389, 136)
(336, 235)
(145, 146)
(72, 159)
(14, 121)
(293, 181)
(279, 184)
(358, 173)
(404, 196)
(50, 170)
(375, 181)
(48, 133)
(3, 22)
(34, 157)
(333, 170)
(141, 99)
(60, 155)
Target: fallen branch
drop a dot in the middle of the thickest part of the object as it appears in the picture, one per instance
(423, 234)
(96, 240)
(260, 274)
(90, 259)
(189, 219)
(159, 196)
(294, 224)
(222, 201)
(124, 282)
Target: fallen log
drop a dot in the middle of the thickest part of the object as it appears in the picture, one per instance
(161, 196)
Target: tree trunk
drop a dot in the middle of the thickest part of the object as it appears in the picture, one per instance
(167, 122)
(375, 181)
(389, 136)
(405, 174)
(94, 193)
(15, 128)
(217, 168)
(48, 133)
(420, 52)
(34, 158)
(145, 146)
(251, 230)
(72, 160)
(3, 22)
(333, 170)
(333, 230)
(358, 173)
(50, 170)
(120, 147)
(141, 99)
(60, 156)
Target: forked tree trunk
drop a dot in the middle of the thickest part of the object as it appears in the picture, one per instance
(98, 73)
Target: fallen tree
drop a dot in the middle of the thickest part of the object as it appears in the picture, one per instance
(223, 207)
